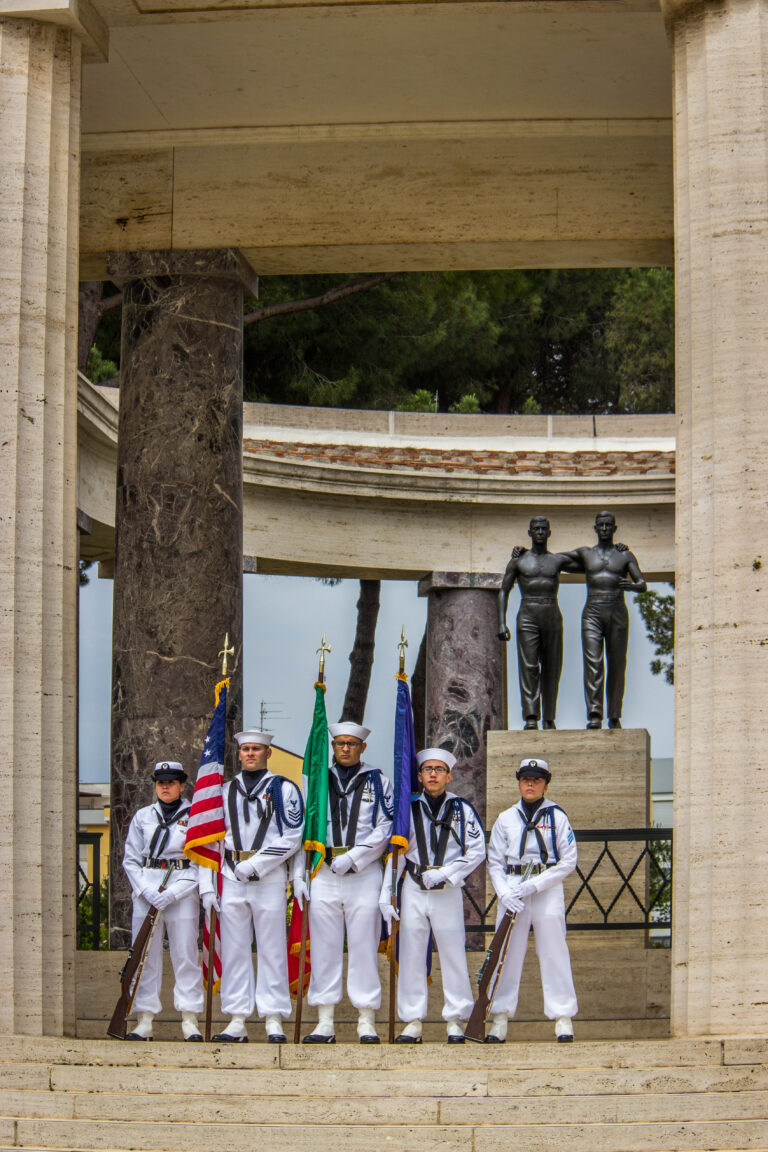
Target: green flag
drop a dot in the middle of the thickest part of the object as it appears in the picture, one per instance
(316, 787)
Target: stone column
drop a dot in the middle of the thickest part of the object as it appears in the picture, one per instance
(178, 534)
(39, 187)
(720, 969)
(465, 683)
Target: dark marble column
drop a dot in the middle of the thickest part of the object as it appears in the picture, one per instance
(466, 684)
(178, 526)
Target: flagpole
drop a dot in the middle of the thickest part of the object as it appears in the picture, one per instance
(307, 881)
(212, 923)
(393, 893)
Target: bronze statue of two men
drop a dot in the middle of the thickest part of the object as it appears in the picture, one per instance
(610, 570)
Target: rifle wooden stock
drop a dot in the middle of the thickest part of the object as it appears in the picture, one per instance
(302, 952)
(130, 973)
(491, 967)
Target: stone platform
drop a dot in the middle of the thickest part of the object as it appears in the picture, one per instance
(630, 1096)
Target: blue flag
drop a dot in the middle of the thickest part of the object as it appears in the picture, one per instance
(406, 769)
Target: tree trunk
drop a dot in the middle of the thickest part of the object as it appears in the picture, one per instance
(361, 656)
(418, 693)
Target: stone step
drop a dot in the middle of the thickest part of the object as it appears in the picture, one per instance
(593, 1054)
(674, 1136)
(259, 1109)
(550, 1083)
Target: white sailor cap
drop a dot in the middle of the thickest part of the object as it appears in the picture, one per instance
(168, 770)
(533, 766)
(347, 728)
(441, 754)
(253, 736)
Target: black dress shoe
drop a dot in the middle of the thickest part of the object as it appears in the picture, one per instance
(276, 1038)
(595, 722)
(225, 1038)
(530, 725)
(370, 1038)
(456, 1039)
(136, 1036)
(313, 1038)
(565, 1039)
(493, 1040)
(401, 1039)
(195, 1038)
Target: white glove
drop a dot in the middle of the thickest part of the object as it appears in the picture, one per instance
(434, 876)
(210, 900)
(245, 869)
(388, 914)
(527, 888)
(341, 864)
(150, 895)
(300, 892)
(162, 899)
(510, 901)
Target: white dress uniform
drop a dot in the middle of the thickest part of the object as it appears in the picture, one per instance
(263, 826)
(454, 841)
(153, 840)
(548, 841)
(359, 822)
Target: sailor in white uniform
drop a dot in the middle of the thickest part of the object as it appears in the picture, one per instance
(154, 847)
(536, 832)
(264, 815)
(445, 845)
(345, 890)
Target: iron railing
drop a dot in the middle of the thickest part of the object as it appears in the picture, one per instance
(89, 884)
(624, 890)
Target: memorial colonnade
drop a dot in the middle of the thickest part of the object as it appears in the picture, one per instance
(720, 977)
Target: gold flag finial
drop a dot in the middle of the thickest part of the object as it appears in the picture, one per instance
(402, 646)
(226, 651)
(324, 647)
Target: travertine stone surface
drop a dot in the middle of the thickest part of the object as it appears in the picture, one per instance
(39, 146)
(465, 690)
(178, 566)
(720, 967)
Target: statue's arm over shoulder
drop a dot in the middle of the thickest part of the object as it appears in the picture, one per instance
(636, 581)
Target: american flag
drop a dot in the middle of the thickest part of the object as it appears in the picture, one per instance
(205, 832)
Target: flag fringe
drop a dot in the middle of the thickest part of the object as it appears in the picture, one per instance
(218, 689)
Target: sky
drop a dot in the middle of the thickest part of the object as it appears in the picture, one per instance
(284, 619)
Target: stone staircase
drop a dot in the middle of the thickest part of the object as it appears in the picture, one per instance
(619, 1096)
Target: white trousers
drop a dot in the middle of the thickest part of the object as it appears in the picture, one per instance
(248, 909)
(337, 903)
(443, 913)
(546, 913)
(179, 922)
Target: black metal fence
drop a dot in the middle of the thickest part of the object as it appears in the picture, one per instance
(89, 892)
(623, 882)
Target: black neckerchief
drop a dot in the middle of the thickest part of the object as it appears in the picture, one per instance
(166, 818)
(248, 789)
(528, 813)
(343, 815)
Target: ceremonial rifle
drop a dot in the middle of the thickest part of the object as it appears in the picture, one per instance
(307, 881)
(131, 972)
(490, 972)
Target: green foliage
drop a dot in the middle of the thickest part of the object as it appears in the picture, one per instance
(83, 577)
(98, 369)
(658, 613)
(589, 340)
(469, 403)
(418, 401)
(640, 336)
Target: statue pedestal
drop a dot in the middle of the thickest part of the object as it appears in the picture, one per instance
(602, 780)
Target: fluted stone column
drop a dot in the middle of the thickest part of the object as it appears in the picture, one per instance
(39, 159)
(178, 536)
(720, 965)
(465, 683)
